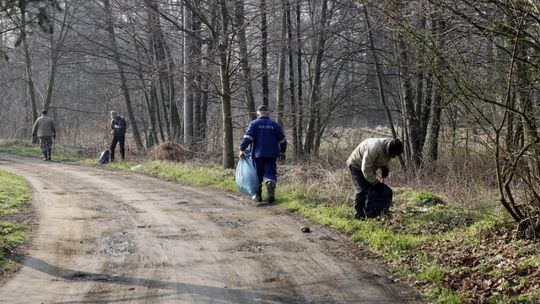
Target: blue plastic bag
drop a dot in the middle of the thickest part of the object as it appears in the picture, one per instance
(379, 203)
(246, 175)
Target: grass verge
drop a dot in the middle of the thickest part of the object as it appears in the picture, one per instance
(14, 196)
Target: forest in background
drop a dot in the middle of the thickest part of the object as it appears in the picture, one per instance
(454, 79)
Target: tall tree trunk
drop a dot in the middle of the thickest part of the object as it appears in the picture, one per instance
(314, 98)
(223, 49)
(188, 76)
(434, 124)
(152, 134)
(292, 92)
(264, 53)
(28, 61)
(123, 80)
(280, 94)
(300, 111)
(244, 62)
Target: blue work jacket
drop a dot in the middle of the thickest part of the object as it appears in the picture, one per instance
(266, 137)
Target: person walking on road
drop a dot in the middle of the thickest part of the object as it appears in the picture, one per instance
(369, 156)
(267, 142)
(118, 126)
(44, 130)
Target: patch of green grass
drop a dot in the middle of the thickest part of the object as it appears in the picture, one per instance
(418, 198)
(445, 296)
(27, 149)
(433, 273)
(14, 192)
(214, 177)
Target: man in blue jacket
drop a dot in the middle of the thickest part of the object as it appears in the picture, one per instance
(267, 142)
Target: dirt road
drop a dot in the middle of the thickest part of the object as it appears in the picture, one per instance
(120, 237)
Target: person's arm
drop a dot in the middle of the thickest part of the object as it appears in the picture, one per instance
(368, 168)
(247, 140)
(282, 141)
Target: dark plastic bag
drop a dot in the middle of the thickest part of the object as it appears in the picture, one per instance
(246, 175)
(379, 202)
(105, 157)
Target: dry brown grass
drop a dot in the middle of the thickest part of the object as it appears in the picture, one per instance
(171, 151)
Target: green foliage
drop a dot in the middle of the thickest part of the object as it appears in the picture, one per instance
(445, 296)
(418, 198)
(13, 192)
(433, 273)
(22, 148)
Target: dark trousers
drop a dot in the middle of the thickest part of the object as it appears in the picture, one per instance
(362, 187)
(266, 169)
(118, 139)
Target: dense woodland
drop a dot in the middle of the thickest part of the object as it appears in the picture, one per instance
(463, 75)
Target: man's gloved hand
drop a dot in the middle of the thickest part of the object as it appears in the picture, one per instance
(378, 187)
(384, 171)
(282, 156)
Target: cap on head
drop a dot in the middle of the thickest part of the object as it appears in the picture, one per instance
(262, 108)
(396, 147)
(114, 114)
(44, 111)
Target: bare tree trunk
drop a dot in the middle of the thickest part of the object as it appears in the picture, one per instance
(123, 80)
(188, 76)
(434, 124)
(244, 62)
(223, 48)
(28, 60)
(314, 98)
(294, 108)
(300, 112)
(152, 134)
(264, 53)
(280, 94)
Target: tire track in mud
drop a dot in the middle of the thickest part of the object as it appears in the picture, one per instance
(109, 236)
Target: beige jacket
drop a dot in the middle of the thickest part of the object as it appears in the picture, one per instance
(369, 156)
(43, 127)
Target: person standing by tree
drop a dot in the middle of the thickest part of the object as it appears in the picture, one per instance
(45, 131)
(267, 142)
(369, 156)
(118, 126)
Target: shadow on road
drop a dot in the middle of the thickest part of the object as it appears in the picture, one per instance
(201, 292)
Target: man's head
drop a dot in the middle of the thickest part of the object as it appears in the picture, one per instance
(114, 114)
(395, 148)
(262, 110)
(44, 111)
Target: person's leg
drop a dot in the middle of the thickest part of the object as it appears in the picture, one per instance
(43, 146)
(49, 148)
(44, 143)
(113, 146)
(362, 186)
(270, 178)
(259, 167)
(122, 140)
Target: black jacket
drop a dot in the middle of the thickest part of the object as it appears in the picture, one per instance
(119, 126)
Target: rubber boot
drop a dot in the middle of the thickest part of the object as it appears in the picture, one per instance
(45, 155)
(258, 197)
(271, 187)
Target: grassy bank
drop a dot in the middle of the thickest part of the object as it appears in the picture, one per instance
(14, 196)
(453, 253)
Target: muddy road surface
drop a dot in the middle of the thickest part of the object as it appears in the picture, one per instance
(121, 237)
